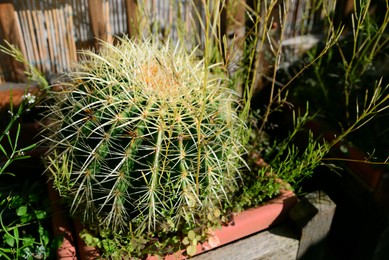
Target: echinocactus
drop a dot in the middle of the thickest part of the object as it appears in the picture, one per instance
(143, 135)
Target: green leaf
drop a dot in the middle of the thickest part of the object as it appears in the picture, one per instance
(10, 240)
(17, 201)
(191, 250)
(185, 241)
(33, 197)
(2, 253)
(21, 211)
(16, 234)
(88, 239)
(22, 157)
(17, 136)
(191, 235)
(44, 235)
(216, 213)
(27, 148)
(28, 241)
(2, 149)
(40, 214)
(25, 218)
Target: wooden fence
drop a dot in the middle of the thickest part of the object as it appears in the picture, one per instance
(50, 32)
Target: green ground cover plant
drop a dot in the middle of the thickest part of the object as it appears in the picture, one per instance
(24, 226)
(25, 231)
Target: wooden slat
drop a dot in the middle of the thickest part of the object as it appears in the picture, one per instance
(132, 18)
(171, 19)
(50, 42)
(43, 34)
(84, 14)
(33, 38)
(37, 31)
(98, 25)
(59, 57)
(313, 217)
(115, 11)
(55, 31)
(26, 35)
(70, 36)
(10, 32)
(63, 43)
(108, 24)
(279, 243)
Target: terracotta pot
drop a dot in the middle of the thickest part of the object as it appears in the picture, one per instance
(72, 247)
(85, 252)
(18, 90)
(246, 223)
(62, 227)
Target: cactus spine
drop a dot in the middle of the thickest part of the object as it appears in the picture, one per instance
(143, 135)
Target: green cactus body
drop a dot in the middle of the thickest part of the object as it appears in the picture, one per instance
(150, 136)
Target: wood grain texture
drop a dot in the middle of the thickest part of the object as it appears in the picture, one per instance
(132, 17)
(10, 31)
(279, 243)
(97, 21)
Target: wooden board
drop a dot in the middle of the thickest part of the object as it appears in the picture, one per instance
(10, 31)
(279, 243)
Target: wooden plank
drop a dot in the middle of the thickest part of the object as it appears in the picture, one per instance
(50, 43)
(41, 49)
(97, 24)
(57, 57)
(122, 13)
(10, 32)
(43, 36)
(33, 38)
(313, 215)
(115, 12)
(59, 40)
(85, 20)
(108, 24)
(132, 18)
(63, 45)
(279, 243)
(26, 35)
(70, 36)
(19, 29)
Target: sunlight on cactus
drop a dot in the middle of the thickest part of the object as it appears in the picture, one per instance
(151, 135)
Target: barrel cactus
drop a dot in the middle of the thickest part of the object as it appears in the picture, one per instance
(142, 135)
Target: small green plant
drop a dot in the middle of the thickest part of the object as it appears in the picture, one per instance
(16, 152)
(24, 233)
(348, 86)
(23, 227)
(29, 101)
